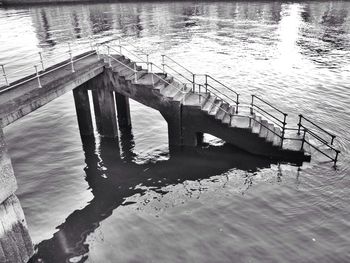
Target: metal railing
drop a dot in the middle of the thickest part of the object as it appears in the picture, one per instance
(313, 133)
(280, 121)
(184, 78)
(42, 67)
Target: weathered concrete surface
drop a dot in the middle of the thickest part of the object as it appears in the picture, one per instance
(82, 106)
(8, 184)
(104, 105)
(123, 110)
(15, 243)
(22, 100)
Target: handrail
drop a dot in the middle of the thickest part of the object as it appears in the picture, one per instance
(283, 122)
(219, 82)
(301, 117)
(178, 64)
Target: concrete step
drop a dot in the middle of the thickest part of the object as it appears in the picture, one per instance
(181, 95)
(150, 79)
(193, 99)
(222, 111)
(170, 91)
(277, 140)
(139, 74)
(241, 122)
(227, 117)
(208, 104)
(271, 133)
(256, 125)
(216, 107)
(263, 130)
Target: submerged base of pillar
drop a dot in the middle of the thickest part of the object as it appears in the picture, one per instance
(15, 243)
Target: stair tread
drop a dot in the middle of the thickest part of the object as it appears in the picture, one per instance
(256, 125)
(227, 118)
(241, 122)
(271, 133)
(193, 99)
(215, 108)
(149, 80)
(222, 111)
(169, 91)
(207, 105)
(277, 140)
(263, 130)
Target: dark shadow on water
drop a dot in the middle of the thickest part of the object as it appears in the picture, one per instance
(112, 177)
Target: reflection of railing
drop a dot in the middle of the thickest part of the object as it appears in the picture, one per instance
(312, 132)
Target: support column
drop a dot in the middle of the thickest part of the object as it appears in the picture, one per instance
(97, 110)
(123, 110)
(82, 106)
(15, 242)
(107, 118)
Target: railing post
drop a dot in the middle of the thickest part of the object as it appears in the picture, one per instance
(284, 128)
(37, 76)
(206, 83)
(299, 124)
(194, 82)
(237, 103)
(109, 56)
(135, 72)
(163, 64)
(41, 61)
(4, 74)
(333, 137)
(147, 59)
(303, 140)
(252, 105)
(71, 57)
(336, 157)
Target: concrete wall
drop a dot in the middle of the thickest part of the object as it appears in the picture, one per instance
(15, 243)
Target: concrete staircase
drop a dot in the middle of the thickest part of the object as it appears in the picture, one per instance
(207, 113)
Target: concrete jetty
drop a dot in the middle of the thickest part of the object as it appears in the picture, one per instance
(190, 110)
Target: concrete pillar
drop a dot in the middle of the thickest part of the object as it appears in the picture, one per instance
(82, 106)
(123, 110)
(107, 118)
(97, 110)
(15, 242)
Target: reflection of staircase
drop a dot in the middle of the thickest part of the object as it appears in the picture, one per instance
(205, 113)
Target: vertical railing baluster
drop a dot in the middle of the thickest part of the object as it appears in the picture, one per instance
(237, 103)
(303, 140)
(163, 63)
(135, 72)
(147, 59)
(194, 82)
(299, 124)
(252, 105)
(71, 57)
(4, 74)
(333, 137)
(206, 83)
(284, 128)
(336, 157)
(37, 76)
(109, 56)
(41, 61)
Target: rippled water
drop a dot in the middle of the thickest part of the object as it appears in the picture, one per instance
(132, 200)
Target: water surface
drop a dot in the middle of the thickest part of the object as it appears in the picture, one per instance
(133, 201)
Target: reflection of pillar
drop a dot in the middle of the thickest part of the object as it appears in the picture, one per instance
(108, 119)
(15, 242)
(82, 106)
(123, 110)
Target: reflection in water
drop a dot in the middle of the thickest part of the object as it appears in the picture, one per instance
(113, 177)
